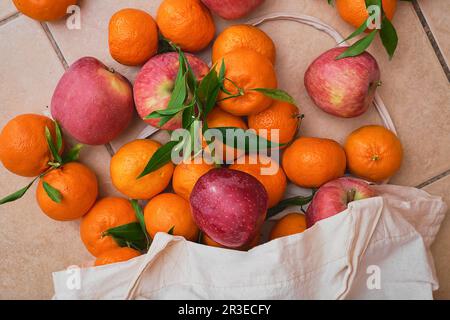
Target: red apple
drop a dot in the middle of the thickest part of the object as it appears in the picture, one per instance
(229, 206)
(92, 102)
(344, 87)
(232, 9)
(334, 196)
(155, 82)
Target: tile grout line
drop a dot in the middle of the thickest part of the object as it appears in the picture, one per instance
(65, 65)
(434, 179)
(9, 18)
(431, 38)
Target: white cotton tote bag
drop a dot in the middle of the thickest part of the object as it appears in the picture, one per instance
(376, 249)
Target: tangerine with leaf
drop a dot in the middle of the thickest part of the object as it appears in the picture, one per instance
(24, 149)
(106, 213)
(128, 164)
(355, 12)
(245, 71)
(67, 192)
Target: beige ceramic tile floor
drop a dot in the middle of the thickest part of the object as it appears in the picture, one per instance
(439, 23)
(415, 90)
(7, 9)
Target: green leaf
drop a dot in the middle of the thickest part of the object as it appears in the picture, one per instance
(179, 92)
(171, 231)
(73, 154)
(208, 90)
(222, 72)
(191, 79)
(374, 3)
(140, 216)
(165, 45)
(276, 94)
(18, 194)
(130, 231)
(159, 158)
(59, 139)
(51, 145)
(130, 235)
(357, 32)
(252, 142)
(52, 193)
(389, 37)
(294, 201)
(166, 112)
(359, 46)
(188, 117)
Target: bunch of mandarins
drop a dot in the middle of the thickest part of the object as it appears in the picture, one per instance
(32, 145)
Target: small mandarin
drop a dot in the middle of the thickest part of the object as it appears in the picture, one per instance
(23, 146)
(129, 162)
(187, 23)
(133, 37)
(355, 12)
(311, 162)
(44, 10)
(246, 70)
(281, 116)
(290, 224)
(373, 153)
(78, 187)
(243, 36)
(105, 214)
(169, 211)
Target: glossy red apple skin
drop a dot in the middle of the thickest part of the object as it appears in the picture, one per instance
(93, 103)
(345, 87)
(229, 206)
(333, 197)
(232, 9)
(154, 85)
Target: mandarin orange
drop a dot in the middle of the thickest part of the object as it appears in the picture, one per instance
(311, 162)
(78, 187)
(373, 153)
